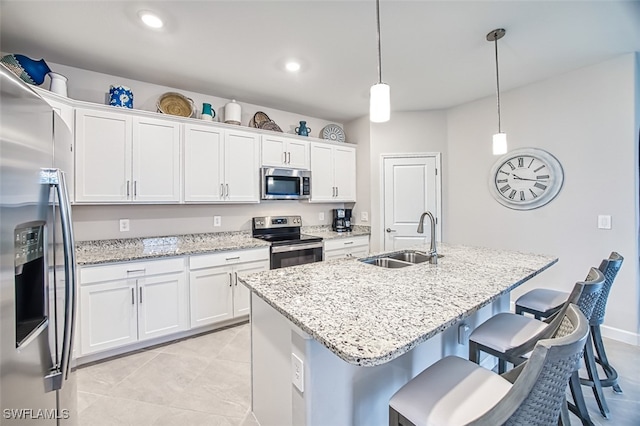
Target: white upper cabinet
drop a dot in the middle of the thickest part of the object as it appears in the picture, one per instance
(103, 156)
(284, 152)
(333, 173)
(124, 158)
(203, 163)
(221, 165)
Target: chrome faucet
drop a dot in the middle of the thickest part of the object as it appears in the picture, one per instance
(433, 255)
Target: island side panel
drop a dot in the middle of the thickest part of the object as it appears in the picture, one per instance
(336, 392)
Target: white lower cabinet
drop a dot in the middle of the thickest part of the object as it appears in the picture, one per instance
(339, 248)
(215, 293)
(128, 302)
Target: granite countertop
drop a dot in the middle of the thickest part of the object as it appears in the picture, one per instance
(368, 315)
(122, 250)
(106, 251)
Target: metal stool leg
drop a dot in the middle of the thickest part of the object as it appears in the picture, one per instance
(612, 374)
(580, 408)
(594, 380)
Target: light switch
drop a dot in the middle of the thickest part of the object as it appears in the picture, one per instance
(297, 372)
(604, 221)
(321, 216)
(364, 216)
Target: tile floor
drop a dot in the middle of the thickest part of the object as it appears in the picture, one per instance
(205, 380)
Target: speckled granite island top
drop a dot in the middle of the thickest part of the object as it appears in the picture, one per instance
(105, 251)
(368, 315)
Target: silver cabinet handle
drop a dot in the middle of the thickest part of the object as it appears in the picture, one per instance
(337, 191)
(289, 160)
(135, 188)
(348, 242)
(232, 258)
(227, 194)
(221, 190)
(140, 291)
(390, 230)
(236, 280)
(133, 295)
(230, 279)
(284, 157)
(128, 193)
(333, 191)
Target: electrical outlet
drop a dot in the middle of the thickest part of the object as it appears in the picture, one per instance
(217, 221)
(124, 225)
(604, 221)
(364, 216)
(463, 334)
(297, 372)
(321, 216)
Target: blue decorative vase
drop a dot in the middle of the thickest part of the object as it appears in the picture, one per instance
(29, 70)
(303, 130)
(120, 96)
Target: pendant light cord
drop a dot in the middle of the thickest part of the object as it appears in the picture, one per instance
(379, 50)
(498, 86)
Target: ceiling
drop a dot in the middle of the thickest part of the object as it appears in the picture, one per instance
(434, 53)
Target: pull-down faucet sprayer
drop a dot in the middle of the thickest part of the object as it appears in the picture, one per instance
(432, 249)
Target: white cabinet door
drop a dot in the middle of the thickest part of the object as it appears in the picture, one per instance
(203, 163)
(241, 293)
(322, 180)
(280, 151)
(274, 152)
(346, 247)
(103, 156)
(162, 305)
(63, 141)
(211, 295)
(242, 167)
(107, 315)
(344, 165)
(156, 160)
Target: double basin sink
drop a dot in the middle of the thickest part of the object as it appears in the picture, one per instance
(399, 259)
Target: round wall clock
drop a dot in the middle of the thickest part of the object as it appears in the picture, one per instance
(526, 178)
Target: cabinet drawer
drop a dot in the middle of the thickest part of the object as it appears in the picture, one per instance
(228, 258)
(118, 271)
(339, 243)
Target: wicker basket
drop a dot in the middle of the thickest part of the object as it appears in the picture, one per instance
(176, 104)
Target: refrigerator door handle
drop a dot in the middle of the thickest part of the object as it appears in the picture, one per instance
(56, 178)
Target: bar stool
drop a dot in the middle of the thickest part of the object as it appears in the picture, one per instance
(543, 302)
(454, 391)
(511, 337)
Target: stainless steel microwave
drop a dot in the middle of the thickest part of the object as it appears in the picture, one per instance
(285, 184)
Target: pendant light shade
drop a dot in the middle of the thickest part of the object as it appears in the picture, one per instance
(379, 103)
(380, 94)
(500, 138)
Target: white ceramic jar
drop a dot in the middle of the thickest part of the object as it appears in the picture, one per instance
(232, 112)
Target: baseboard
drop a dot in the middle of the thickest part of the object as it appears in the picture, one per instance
(620, 335)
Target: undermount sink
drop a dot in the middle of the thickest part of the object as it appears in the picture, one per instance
(410, 256)
(399, 259)
(385, 262)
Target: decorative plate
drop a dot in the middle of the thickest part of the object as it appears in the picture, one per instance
(270, 125)
(173, 103)
(333, 132)
(258, 119)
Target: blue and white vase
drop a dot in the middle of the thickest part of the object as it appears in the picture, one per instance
(120, 96)
(29, 70)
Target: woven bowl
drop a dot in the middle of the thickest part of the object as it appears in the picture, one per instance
(176, 104)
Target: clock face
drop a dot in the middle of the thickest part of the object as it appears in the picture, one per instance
(526, 178)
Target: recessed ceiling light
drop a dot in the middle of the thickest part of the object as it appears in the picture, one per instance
(292, 66)
(151, 20)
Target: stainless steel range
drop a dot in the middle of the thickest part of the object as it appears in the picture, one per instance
(288, 246)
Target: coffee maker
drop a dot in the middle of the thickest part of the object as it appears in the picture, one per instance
(341, 220)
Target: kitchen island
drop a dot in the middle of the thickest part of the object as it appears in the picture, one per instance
(332, 341)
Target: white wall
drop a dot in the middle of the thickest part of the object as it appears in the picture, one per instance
(588, 120)
(359, 132)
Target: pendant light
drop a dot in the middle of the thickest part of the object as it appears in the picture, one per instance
(500, 138)
(379, 101)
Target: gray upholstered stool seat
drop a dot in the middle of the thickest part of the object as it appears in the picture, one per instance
(453, 391)
(506, 331)
(541, 302)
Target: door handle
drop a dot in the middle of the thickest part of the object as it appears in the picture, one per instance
(227, 194)
(284, 156)
(128, 192)
(390, 230)
(337, 191)
(236, 280)
(135, 188)
(230, 279)
(289, 158)
(140, 291)
(333, 189)
(133, 295)
(221, 190)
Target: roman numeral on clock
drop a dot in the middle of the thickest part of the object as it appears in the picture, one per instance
(502, 180)
(539, 168)
(540, 186)
(542, 177)
(512, 193)
(505, 188)
(521, 195)
(533, 193)
(511, 165)
(520, 162)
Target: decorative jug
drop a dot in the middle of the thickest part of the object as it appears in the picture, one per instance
(208, 113)
(232, 112)
(303, 130)
(58, 84)
(120, 96)
(29, 70)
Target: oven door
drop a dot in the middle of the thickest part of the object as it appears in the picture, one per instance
(295, 254)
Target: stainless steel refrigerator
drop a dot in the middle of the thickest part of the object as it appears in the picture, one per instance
(37, 261)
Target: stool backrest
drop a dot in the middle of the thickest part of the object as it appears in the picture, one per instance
(591, 290)
(540, 383)
(609, 267)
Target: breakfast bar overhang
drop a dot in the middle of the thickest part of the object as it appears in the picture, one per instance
(331, 342)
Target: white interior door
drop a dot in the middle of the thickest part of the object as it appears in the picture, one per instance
(411, 187)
